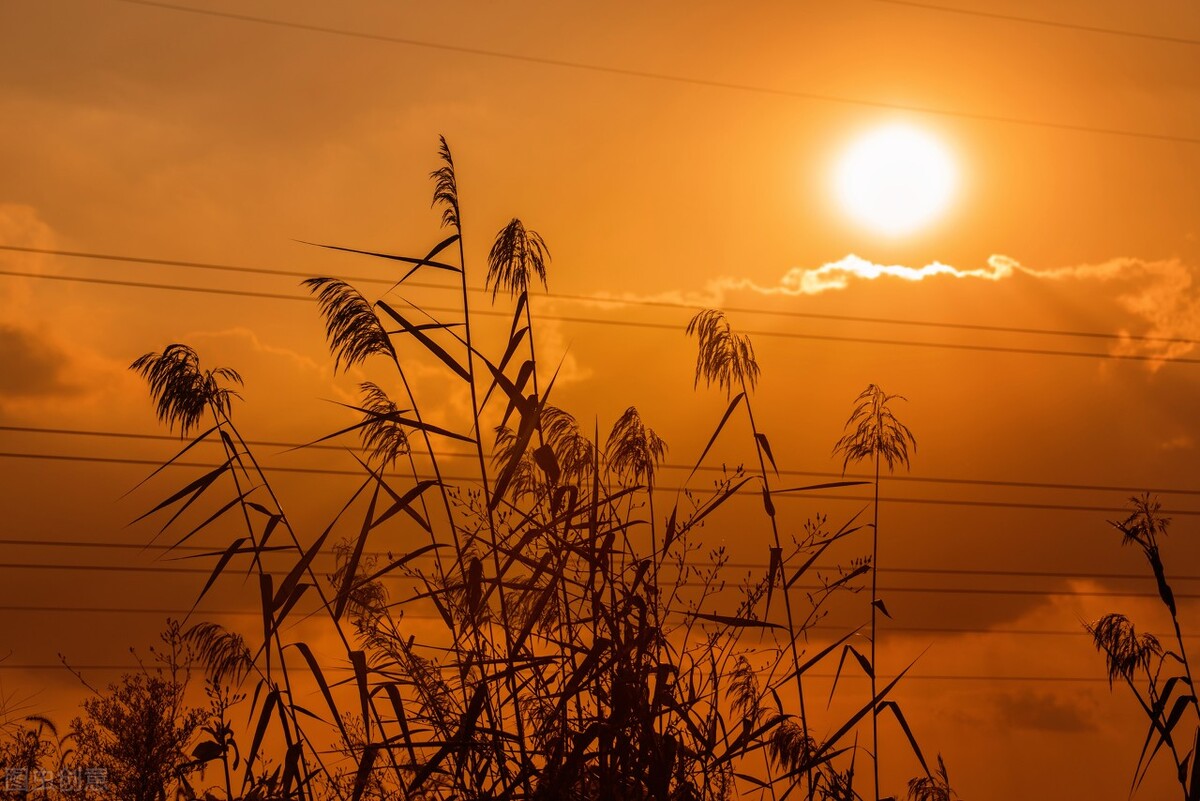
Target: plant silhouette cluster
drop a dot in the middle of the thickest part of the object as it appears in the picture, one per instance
(587, 646)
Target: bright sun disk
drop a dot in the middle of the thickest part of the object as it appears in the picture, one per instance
(895, 179)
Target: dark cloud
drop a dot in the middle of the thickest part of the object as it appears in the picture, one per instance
(1043, 711)
(33, 366)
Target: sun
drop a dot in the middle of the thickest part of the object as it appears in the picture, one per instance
(895, 179)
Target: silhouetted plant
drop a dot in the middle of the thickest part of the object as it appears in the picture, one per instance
(935, 787)
(1159, 678)
(35, 758)
(181, 390)
(353, 330)
(633, 449)
(724, 358)
(873, 432)
(137, 733)
(572, 670)
(516, 256)
(383, 435)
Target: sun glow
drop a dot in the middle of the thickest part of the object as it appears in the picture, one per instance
(895, 179)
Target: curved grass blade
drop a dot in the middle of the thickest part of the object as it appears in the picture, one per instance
(406, 259)
(364, 771)
(351, 570)
(828, 485)
(733, 404)
(429, 344)
(894, 708)
(399, 563)
(428, 260)
(212, 518)
(824, 652)
(761, 439)
(736, 621)
(195, 441)
(233, 549)
(358, 660)
(195, 489)
(315, 668)
(863, 662)
(260, 731)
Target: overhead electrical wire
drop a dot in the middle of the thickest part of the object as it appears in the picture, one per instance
(938, 571)
(648, 325)
(123, 610)
(665, 77)
(814, 675)
(664, 466)
(781, 494)
(1048, 23)
(1001, 591)
(1003, 329)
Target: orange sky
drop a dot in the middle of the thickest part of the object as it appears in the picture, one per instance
(148, 132)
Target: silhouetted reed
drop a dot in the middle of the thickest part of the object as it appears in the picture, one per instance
(577, 661)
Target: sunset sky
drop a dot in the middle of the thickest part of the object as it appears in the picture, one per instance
(675, 157)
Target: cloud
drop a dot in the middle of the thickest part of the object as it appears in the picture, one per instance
(1043, 711)
(21, 226)
(1160, 296)
(840, 274)
(34, 366)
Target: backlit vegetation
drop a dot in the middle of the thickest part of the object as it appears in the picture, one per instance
(588, 644)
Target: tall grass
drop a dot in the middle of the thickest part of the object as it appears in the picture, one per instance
(591, 647)
(1158, 676)
(874, 433)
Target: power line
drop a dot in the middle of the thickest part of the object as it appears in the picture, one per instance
(847, 676)
(666, 77)
(665, 466)
(939, 571)
(234, 268)
(135, 610)
(244, 293)
(641, 324)
(256, 613)
(1073, 26)
(255, 442)
(613, 301)
(665, 489)
(909, 590)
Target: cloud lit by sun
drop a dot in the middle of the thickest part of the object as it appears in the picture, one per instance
(895, 179)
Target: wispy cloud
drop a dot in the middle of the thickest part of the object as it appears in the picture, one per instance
(1162, 295)
(842, 273)
(1158, 301)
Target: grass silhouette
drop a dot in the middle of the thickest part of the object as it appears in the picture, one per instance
(1159, 677)
(873, 432)
(589, 646)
